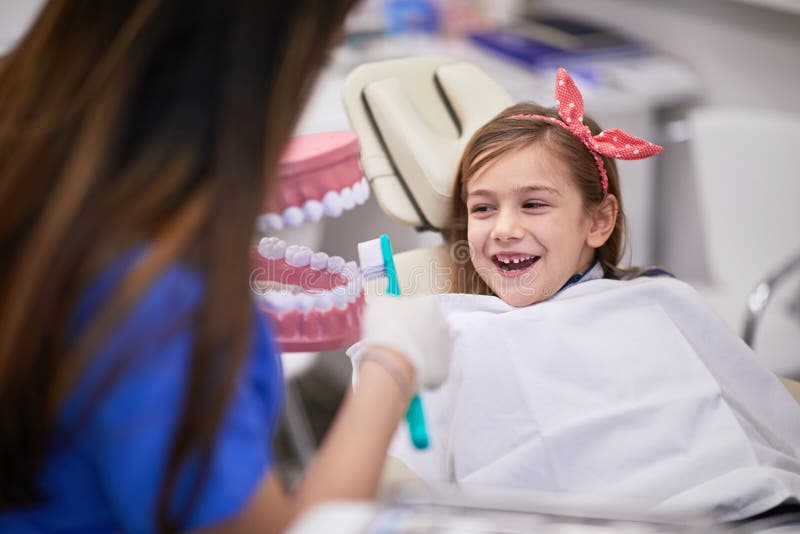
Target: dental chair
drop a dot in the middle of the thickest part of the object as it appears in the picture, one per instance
(413, 118)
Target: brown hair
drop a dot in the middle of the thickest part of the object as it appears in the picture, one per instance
(125, 122)
(506, 133)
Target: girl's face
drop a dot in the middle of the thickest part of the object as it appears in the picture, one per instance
(527, 227)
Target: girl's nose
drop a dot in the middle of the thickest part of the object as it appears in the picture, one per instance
(507, 227)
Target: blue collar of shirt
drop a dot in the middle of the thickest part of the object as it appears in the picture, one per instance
(594, 272)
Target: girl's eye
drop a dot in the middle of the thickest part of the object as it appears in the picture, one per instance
(480, 208)
(533, 204)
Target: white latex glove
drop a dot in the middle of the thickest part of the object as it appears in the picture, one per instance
(412, 326)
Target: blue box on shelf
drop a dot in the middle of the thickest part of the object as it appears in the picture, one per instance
(551, 41)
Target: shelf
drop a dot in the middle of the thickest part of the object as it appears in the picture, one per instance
(785, 6)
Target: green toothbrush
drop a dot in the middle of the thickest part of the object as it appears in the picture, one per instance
(376, 259)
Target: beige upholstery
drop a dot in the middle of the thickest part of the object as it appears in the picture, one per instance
(395, 475)
(793, 386)
(413, 118)
(424, 271)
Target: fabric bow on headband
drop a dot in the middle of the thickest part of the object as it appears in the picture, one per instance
(613, 143)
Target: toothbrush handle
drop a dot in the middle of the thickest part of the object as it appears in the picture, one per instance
(416, 424)
(414, 415)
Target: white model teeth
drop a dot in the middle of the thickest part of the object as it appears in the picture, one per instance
(290, 252)
(319, 261)
(304, 302)
(313, 210)
(323, 301)
(293, 217)
(333, 204)
(335, 264)
(269, 221)
(340, 299)
(360, 191)
(279, 301)
(353, 275)
(348, 202)
(298, 256)
(284, 300)
(272, 248)
(265, 244)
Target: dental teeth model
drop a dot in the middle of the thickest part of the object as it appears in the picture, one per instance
(315, 301)
(319, 175)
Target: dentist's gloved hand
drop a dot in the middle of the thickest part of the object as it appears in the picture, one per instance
(413, 327)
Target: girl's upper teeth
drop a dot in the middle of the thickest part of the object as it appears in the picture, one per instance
(514, 260)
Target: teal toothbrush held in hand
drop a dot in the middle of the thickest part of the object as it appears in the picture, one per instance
(376, 260)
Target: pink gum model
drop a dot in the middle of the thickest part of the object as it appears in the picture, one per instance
(314, 329)
(312, 165)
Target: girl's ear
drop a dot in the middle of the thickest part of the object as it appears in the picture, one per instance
(603, 219)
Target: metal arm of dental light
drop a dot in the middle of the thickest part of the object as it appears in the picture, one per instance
(759, 298)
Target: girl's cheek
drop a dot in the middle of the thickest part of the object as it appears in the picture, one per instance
(472, 231)
(477, 226)
(476, 240)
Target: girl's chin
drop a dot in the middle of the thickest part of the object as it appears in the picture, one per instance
(514, 297)
(520, 301)
(519, 297)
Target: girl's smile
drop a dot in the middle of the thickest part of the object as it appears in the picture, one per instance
(512, 264)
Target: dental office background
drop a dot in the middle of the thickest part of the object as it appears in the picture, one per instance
(716, 82)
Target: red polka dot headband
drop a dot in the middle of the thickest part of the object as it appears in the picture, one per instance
(613, 143)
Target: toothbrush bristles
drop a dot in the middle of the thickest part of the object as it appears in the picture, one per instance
(370, 258)
(371, 273)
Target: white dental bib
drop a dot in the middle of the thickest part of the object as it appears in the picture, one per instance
(631, 390)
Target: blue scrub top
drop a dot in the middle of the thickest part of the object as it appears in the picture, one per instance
(108, 477)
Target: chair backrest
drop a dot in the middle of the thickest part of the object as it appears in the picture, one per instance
(413, 117)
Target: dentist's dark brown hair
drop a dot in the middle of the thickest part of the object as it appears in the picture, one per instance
(126, 122)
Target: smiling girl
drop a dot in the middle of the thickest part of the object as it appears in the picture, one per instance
(575, 376)
(538, 199)
(527, 224)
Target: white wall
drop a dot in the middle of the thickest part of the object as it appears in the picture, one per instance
(15, 17)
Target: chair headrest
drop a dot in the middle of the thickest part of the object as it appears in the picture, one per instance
(413, 118)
